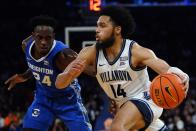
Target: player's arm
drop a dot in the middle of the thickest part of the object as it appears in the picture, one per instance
(75, 68)
(18, 78)
(143, 56)
(27, 74)
(65, 57)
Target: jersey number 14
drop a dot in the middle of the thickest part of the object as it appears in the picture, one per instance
(118, 91)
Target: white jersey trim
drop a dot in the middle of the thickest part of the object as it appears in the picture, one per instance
(42, 58)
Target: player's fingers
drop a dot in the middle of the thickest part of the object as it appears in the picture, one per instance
(80, 62)
(75, 71)
(11, 86)
(10, 79)
(7, 81)
(78, 66)
(184, 78)
(186, 87)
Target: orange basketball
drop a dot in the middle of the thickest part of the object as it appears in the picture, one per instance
(166, 91)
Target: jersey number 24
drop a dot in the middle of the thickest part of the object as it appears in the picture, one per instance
(46, 79)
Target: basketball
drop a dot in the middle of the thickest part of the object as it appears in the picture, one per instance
(166, 91)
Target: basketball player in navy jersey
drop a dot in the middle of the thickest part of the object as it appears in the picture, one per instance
(46, 58)
(121, 66)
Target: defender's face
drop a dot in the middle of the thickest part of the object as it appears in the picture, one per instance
(104, 30)
(44, 37)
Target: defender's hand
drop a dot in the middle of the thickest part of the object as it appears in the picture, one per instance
(13, 80)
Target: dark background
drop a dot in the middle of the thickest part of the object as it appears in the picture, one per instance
(168, 28)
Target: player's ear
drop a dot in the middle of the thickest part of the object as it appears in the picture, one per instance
(118, 30)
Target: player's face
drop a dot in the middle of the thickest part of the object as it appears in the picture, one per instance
(105, 32)
(44, 37)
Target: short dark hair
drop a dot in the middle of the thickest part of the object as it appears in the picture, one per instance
(43, 20)
(121, 17)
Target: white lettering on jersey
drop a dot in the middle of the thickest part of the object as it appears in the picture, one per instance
(40, 69)
(115, 75)
(117, 78)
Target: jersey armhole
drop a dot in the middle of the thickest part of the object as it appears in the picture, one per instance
(130, 64)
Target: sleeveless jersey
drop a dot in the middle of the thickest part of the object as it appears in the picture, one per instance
(119, 79)
(45, 72)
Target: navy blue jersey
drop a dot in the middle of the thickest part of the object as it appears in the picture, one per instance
(45, 71)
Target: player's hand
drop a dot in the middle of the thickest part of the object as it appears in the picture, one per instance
(75, 68)
(13, 80)
(183, 76)
(113, 107)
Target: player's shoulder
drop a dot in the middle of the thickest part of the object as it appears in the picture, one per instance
(65, 51)
(58, 42)
(26, 41)
(140, 52)
(137, 48)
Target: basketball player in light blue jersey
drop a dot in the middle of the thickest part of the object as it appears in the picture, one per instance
(46, 58)
(121, 66)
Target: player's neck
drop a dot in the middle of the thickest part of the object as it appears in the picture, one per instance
(36, 54)
(116, 47)
(113, 51)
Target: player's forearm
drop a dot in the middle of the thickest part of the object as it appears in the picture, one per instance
(26, 75)
(63, 80)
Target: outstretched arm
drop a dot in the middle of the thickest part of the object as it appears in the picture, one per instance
(65, 57)
(18, 78)
(75, 68)
(144, 56)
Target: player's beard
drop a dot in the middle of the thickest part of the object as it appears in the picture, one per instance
(106, 43)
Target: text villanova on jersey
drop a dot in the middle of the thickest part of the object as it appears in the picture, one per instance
(116, 75)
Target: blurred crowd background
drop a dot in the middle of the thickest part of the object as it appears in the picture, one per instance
(166, 26)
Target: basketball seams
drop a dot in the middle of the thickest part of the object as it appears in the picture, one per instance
(163, 93)
(167, 93)
(173, 86)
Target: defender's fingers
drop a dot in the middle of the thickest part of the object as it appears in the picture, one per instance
(8, 80)
(11, 86)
